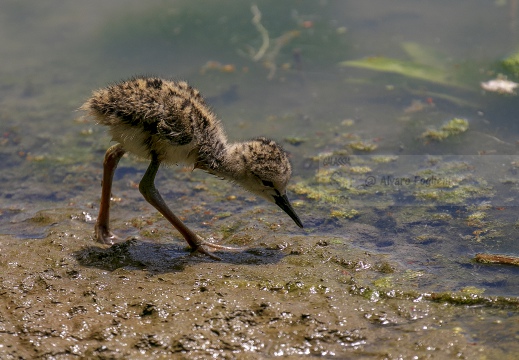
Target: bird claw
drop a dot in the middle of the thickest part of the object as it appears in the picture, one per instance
(199, 249)
(105, 236)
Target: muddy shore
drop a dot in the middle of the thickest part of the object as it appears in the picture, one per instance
(66, 297)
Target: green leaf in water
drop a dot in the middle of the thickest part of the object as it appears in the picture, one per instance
(405, 68)
(424, 55)
(426, 65)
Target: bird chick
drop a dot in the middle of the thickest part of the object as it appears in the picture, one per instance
(169, 122)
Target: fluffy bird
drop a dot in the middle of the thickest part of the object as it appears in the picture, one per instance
(169, 122)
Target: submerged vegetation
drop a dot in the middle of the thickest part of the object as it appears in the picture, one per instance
(454, 127)
(424, 64)
(511, 64)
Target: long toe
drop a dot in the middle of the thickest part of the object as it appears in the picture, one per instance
(105, 236)
(200, 249)
(221, 247)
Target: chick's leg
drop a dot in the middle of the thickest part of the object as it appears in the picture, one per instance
(102, 229)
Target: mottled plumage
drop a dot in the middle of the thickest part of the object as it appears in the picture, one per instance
(169, 122)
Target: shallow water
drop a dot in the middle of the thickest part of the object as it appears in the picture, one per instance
(366, 178)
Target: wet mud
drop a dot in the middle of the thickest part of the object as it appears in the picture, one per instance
(64, 296)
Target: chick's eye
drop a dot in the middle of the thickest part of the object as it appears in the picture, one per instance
(267, 183)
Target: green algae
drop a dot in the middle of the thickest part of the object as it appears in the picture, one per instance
(476, 219)
(349, 214)
(428, 238)
(472, 290)
(511, 63)
(385, 267)
(334, 158)
(360, 169)
(457, 195)
(324, 176)
(317, 193)
(152, 233)
(42, 218)
(454, 127)
(441, 217)
(384, 159)
(295, 140)
(474, 299)
(386, 287)
(229, 229)
(437, 181)
(385, 282)
(363, 146)
(223, 215)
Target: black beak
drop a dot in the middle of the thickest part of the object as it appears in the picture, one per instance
(282, 202)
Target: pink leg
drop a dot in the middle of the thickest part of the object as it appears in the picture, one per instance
(152, 195)
(102, 230)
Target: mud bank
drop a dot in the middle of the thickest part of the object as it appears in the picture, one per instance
(66, 297)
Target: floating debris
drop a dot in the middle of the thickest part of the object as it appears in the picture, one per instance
(256, 21)
(215, 65)
(418, 106)
(279, 43)
(266, 52)
(497, 259)
(500, 86)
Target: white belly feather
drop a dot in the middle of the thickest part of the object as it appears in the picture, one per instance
(134, 141)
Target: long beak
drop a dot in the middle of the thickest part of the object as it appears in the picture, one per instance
(282, 202)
